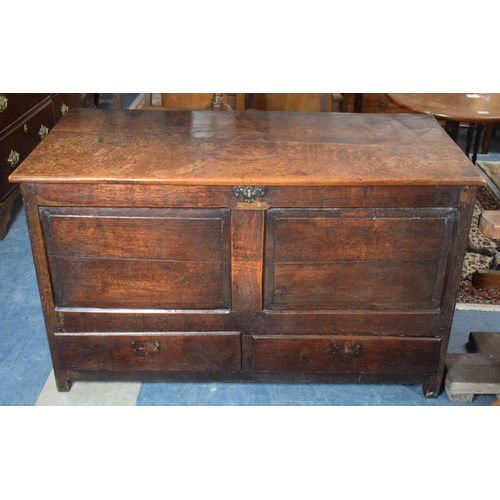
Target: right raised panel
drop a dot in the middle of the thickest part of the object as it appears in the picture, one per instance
(357, 259)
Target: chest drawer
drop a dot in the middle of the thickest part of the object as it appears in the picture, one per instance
(150, 352)
(14, 106)
(346, 354)
(16, 146)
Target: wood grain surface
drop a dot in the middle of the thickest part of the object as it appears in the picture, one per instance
(206, 148)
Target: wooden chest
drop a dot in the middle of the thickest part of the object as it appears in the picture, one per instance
(248, 245)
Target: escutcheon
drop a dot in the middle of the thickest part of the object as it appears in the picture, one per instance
(249, 193)
(346, 350)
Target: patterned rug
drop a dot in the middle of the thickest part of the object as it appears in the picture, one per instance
(487, 200)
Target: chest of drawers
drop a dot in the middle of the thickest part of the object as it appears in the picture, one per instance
(248, 245)
(25, 119)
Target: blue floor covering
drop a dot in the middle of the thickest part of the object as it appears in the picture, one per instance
(25, 360)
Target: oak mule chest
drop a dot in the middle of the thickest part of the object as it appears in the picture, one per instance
(264, 246)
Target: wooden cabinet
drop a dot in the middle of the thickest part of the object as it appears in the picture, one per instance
(25, 119)
(248, 246)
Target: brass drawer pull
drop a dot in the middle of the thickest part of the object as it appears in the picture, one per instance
(3, 103)
(43, 131)
(147, 347)
(347, 350)
(249, 193)
(13, 158)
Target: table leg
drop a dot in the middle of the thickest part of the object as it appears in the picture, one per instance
(477, 141)
(452, 128)
(470, 132)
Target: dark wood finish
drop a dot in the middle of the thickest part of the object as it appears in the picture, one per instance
(247, 236)
(172, 351)
(17, 106)
(6, 208)
(25, 119)
(352, 250)
(138, 257)
(345, 354)
(22, 140)
(313, 263)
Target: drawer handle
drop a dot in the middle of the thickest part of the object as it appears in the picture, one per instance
(147, 348)
(3, 103)
(346, 350)
(13, 158)
(64, 109)
(249, 193)
(43, 131)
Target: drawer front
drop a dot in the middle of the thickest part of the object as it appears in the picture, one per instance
(373, 259)
(14, 106)
(150, 352)
(138, 258)
(16, 146)
(346, 354)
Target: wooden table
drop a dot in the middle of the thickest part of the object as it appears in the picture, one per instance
(475, 109)
(249, 245)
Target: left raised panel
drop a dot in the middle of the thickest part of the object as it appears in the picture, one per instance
(138, 257)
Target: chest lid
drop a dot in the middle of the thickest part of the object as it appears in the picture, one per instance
(247, 147)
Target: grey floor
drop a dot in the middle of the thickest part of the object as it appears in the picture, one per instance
(25, 366)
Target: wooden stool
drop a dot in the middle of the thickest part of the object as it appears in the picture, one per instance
(489, 224)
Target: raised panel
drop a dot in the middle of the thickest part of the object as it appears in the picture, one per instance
(138, 258)
(358, 259)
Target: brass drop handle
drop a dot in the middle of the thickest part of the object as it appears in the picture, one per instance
(43, 131)
(13, 158)
(147, 347)
(249, 193)
(3, 103)
(346, 350)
